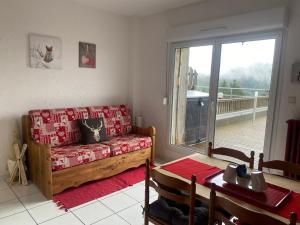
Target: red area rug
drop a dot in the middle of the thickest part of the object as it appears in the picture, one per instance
(87, 192)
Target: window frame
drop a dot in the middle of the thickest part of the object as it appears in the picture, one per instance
(275, 88)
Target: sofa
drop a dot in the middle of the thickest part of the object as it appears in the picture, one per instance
(56, 158)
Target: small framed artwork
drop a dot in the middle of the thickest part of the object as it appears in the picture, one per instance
(45, 52)
(87, 55)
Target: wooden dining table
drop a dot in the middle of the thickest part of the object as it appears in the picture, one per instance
(203, 192)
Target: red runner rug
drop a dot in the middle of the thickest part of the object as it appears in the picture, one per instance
(188, 167)
(87, 192)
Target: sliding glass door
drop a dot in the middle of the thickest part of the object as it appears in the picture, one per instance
(223, 91)
(243, 94)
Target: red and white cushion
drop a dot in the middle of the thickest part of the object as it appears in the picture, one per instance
(56, 127)
(117, 119)
(128, 143)
(73, 155)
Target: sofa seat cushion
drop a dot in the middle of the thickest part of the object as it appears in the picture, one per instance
(128, 143)
(72, 155)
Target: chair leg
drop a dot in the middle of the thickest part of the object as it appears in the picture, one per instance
(146, 207)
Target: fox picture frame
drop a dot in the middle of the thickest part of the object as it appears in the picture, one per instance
(45, 52)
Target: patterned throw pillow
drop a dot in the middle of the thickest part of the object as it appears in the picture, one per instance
(92, 130)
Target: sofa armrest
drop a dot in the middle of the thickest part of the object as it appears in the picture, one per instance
(38, 160)
(40, 168)
(149, 131)
(45, 149)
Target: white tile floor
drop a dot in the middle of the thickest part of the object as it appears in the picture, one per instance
(25, 205)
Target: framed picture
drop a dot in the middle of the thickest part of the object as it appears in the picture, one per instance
(87, 55)
(45, 52)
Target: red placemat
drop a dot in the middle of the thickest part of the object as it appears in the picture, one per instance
(188, 167)
(291, 205)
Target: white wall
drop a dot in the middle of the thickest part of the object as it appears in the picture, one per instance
(149, 79)
(23, 88)
(290, 56)
(140, 81)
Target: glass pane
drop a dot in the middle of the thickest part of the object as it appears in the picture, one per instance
(190, 96)
(243, 94)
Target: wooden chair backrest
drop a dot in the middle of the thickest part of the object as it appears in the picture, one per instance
(232, 153)
(164, 185)
(219, 204)
(289, 169)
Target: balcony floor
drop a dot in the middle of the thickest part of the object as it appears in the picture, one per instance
(243, 135)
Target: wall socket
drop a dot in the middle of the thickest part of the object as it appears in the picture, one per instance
(296, 72)
(165, 100)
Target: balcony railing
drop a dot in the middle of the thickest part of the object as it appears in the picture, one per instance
(229, 92)
(240, 104)
(239, 99)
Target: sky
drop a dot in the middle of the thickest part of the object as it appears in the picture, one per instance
(239, 54)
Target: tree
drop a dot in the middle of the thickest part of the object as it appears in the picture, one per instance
(236, 84)
(224, 87)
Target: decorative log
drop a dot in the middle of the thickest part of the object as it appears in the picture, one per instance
(19, 166)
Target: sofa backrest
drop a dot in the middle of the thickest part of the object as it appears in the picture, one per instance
(58, 127)
(117, 118)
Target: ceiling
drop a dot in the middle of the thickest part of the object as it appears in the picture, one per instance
(136, 7)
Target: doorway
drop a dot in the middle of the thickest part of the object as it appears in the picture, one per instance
(223, 91)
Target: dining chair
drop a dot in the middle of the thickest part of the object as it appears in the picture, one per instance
(290, 169)
(164, 186)
(218, 204)
(231, 153)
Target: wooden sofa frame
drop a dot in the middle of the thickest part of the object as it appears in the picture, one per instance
(53, 182)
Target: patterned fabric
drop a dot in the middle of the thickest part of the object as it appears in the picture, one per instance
(117, 119)
(73, 155)
(128, 143)
(57, 127)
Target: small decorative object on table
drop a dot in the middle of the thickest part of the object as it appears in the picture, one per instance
(237, 175)
(230, 173)
(243, 179)
(258, 182)
(241, 170)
